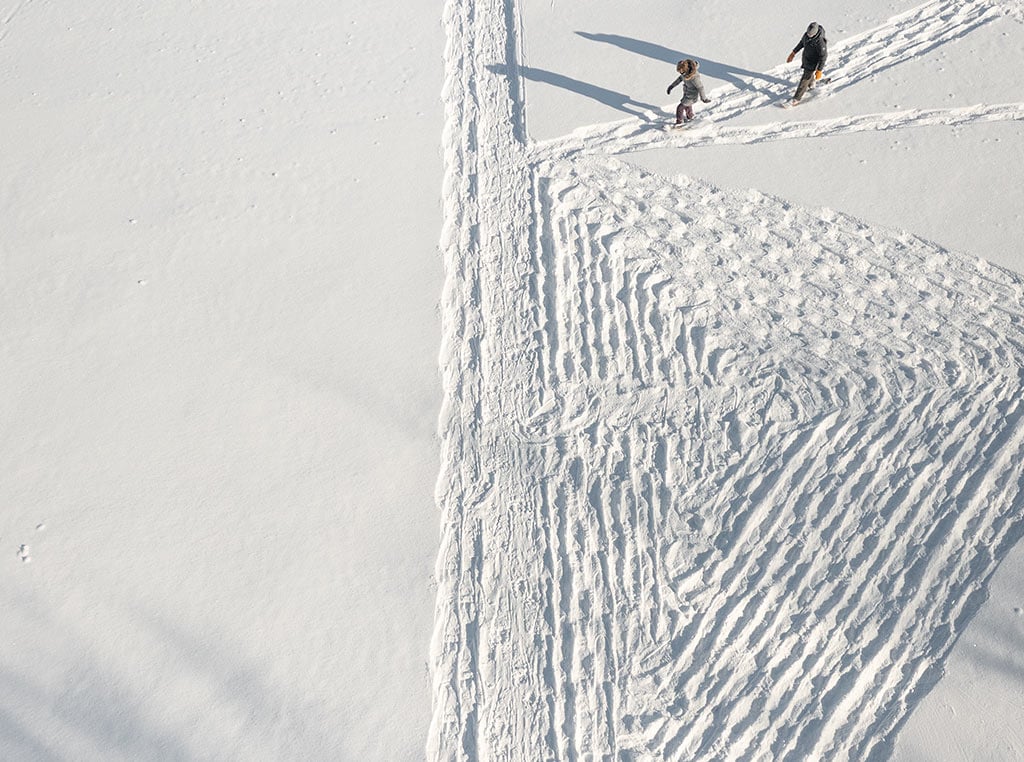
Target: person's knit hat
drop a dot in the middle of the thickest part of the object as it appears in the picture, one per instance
(812, 29)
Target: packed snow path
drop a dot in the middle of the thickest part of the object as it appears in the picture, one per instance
(723, 478)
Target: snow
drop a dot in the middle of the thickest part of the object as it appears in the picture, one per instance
(219, 386)
(696, 445)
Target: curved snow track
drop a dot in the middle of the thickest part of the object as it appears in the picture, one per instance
(723, 478)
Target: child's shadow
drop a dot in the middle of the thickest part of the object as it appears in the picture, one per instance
(715, 69)
(610, 98)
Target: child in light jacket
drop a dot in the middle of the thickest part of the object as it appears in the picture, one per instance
(693, 88)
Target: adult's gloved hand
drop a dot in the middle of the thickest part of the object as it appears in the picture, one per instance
(706, 100)
(669, 91)
(789, 58)
(817, 74)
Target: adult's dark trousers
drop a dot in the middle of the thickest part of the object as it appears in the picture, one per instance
(806, 81)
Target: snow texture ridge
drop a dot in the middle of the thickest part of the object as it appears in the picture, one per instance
(722, 478)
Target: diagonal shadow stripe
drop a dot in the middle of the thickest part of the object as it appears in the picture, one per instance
(734, 75)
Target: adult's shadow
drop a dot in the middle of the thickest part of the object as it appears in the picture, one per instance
(727, 72)
(610, 98)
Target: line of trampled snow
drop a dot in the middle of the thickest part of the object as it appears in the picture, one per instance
(486, 232)
(634, 136)
(852, 60)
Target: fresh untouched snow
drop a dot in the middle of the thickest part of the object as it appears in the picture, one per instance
(218, 379)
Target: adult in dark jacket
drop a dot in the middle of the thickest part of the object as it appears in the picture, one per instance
(815, 48)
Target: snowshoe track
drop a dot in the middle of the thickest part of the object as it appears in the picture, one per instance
(723, 478)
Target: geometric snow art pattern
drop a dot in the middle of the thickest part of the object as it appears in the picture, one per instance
(723, 478)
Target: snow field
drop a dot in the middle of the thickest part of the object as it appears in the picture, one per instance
(218, 378)
(725, 473)
(724, 478)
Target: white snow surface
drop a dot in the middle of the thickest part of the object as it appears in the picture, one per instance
(218, 378)
(723, 459)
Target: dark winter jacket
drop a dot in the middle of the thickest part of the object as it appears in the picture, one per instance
(815, 51)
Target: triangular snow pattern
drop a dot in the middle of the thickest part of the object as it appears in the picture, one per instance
(722, 478)
(773, 457)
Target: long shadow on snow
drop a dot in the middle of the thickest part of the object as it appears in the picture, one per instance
(610, 98)
(732, 74)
